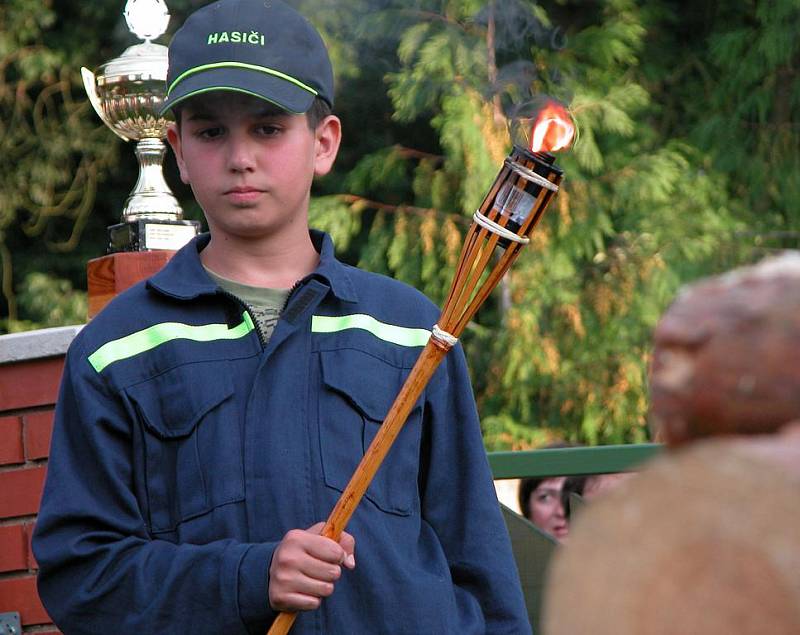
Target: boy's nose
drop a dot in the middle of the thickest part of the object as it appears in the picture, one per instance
(241, 157)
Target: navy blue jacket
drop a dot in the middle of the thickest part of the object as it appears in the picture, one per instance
(184, 449)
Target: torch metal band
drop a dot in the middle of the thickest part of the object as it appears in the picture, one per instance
(531, 175)
(498, 229)
(443, 337)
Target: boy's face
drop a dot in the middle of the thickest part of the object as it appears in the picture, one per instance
(250, 165)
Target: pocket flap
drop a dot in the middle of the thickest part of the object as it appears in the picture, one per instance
(369, 383)
(172, 403)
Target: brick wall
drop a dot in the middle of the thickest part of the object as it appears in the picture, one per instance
(30, 371)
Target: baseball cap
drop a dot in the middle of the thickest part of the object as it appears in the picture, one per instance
(259, 47)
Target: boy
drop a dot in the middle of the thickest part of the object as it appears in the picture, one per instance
(209, 413)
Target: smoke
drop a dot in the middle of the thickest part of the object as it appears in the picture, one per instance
(373, 30)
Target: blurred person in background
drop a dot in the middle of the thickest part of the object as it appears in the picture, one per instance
(545, 501)
(542, 502)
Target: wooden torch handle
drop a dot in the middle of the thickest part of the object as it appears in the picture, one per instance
(283, 623)
(412, 388)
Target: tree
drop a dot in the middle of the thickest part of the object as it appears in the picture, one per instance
(49, 157)
(638, 213)
(734, 92)
(63, 175)
(686, 164)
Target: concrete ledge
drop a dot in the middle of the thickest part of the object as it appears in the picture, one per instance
(28, 345)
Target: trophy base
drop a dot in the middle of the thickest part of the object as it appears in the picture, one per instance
(137, 250)
(146, 234)
(110, 275)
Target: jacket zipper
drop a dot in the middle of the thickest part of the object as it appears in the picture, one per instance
(249, 311)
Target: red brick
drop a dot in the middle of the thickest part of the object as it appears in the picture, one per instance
(38, 429)
(32, 564)
(30, 383)
(21, 491)
(13, 548)
(11, 441)
(19, 594)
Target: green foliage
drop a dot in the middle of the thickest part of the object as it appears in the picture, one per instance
(502, 432)
(332, 215)
(52, 148)
(686, 163)
(383, 173)
(46, 302)
(639, 213)
(737, 99)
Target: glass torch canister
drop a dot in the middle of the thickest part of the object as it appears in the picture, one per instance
(520, 195)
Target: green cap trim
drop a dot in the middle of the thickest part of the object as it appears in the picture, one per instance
(158, 334)
(401, 335)
(231, 89)
(252, 67)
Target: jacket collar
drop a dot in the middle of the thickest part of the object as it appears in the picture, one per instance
(184, 277)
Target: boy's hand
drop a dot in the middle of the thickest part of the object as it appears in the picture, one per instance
(304, 567)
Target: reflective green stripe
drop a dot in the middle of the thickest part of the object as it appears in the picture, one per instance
(401, 335)
(252, 67)
(159, 334)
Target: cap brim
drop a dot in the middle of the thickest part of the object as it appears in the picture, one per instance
(276, 90)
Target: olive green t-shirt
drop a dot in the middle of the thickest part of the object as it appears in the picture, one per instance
(264, 303)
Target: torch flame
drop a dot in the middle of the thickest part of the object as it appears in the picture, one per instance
(553, 129)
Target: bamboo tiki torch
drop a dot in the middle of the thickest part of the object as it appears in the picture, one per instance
(518, 198)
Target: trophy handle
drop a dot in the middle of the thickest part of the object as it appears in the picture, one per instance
(91, 91)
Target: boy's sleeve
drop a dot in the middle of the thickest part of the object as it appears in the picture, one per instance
(99, 571)
(459, 501)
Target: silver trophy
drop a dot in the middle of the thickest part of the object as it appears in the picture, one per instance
(127, 93)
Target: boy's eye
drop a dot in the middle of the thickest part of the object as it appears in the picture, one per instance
(268, 129)
(209, 133)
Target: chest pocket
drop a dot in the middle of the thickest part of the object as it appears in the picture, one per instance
(358, 390)
(190, 442)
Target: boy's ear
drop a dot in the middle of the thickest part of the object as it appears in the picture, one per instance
(328, 135)
(174, 139)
